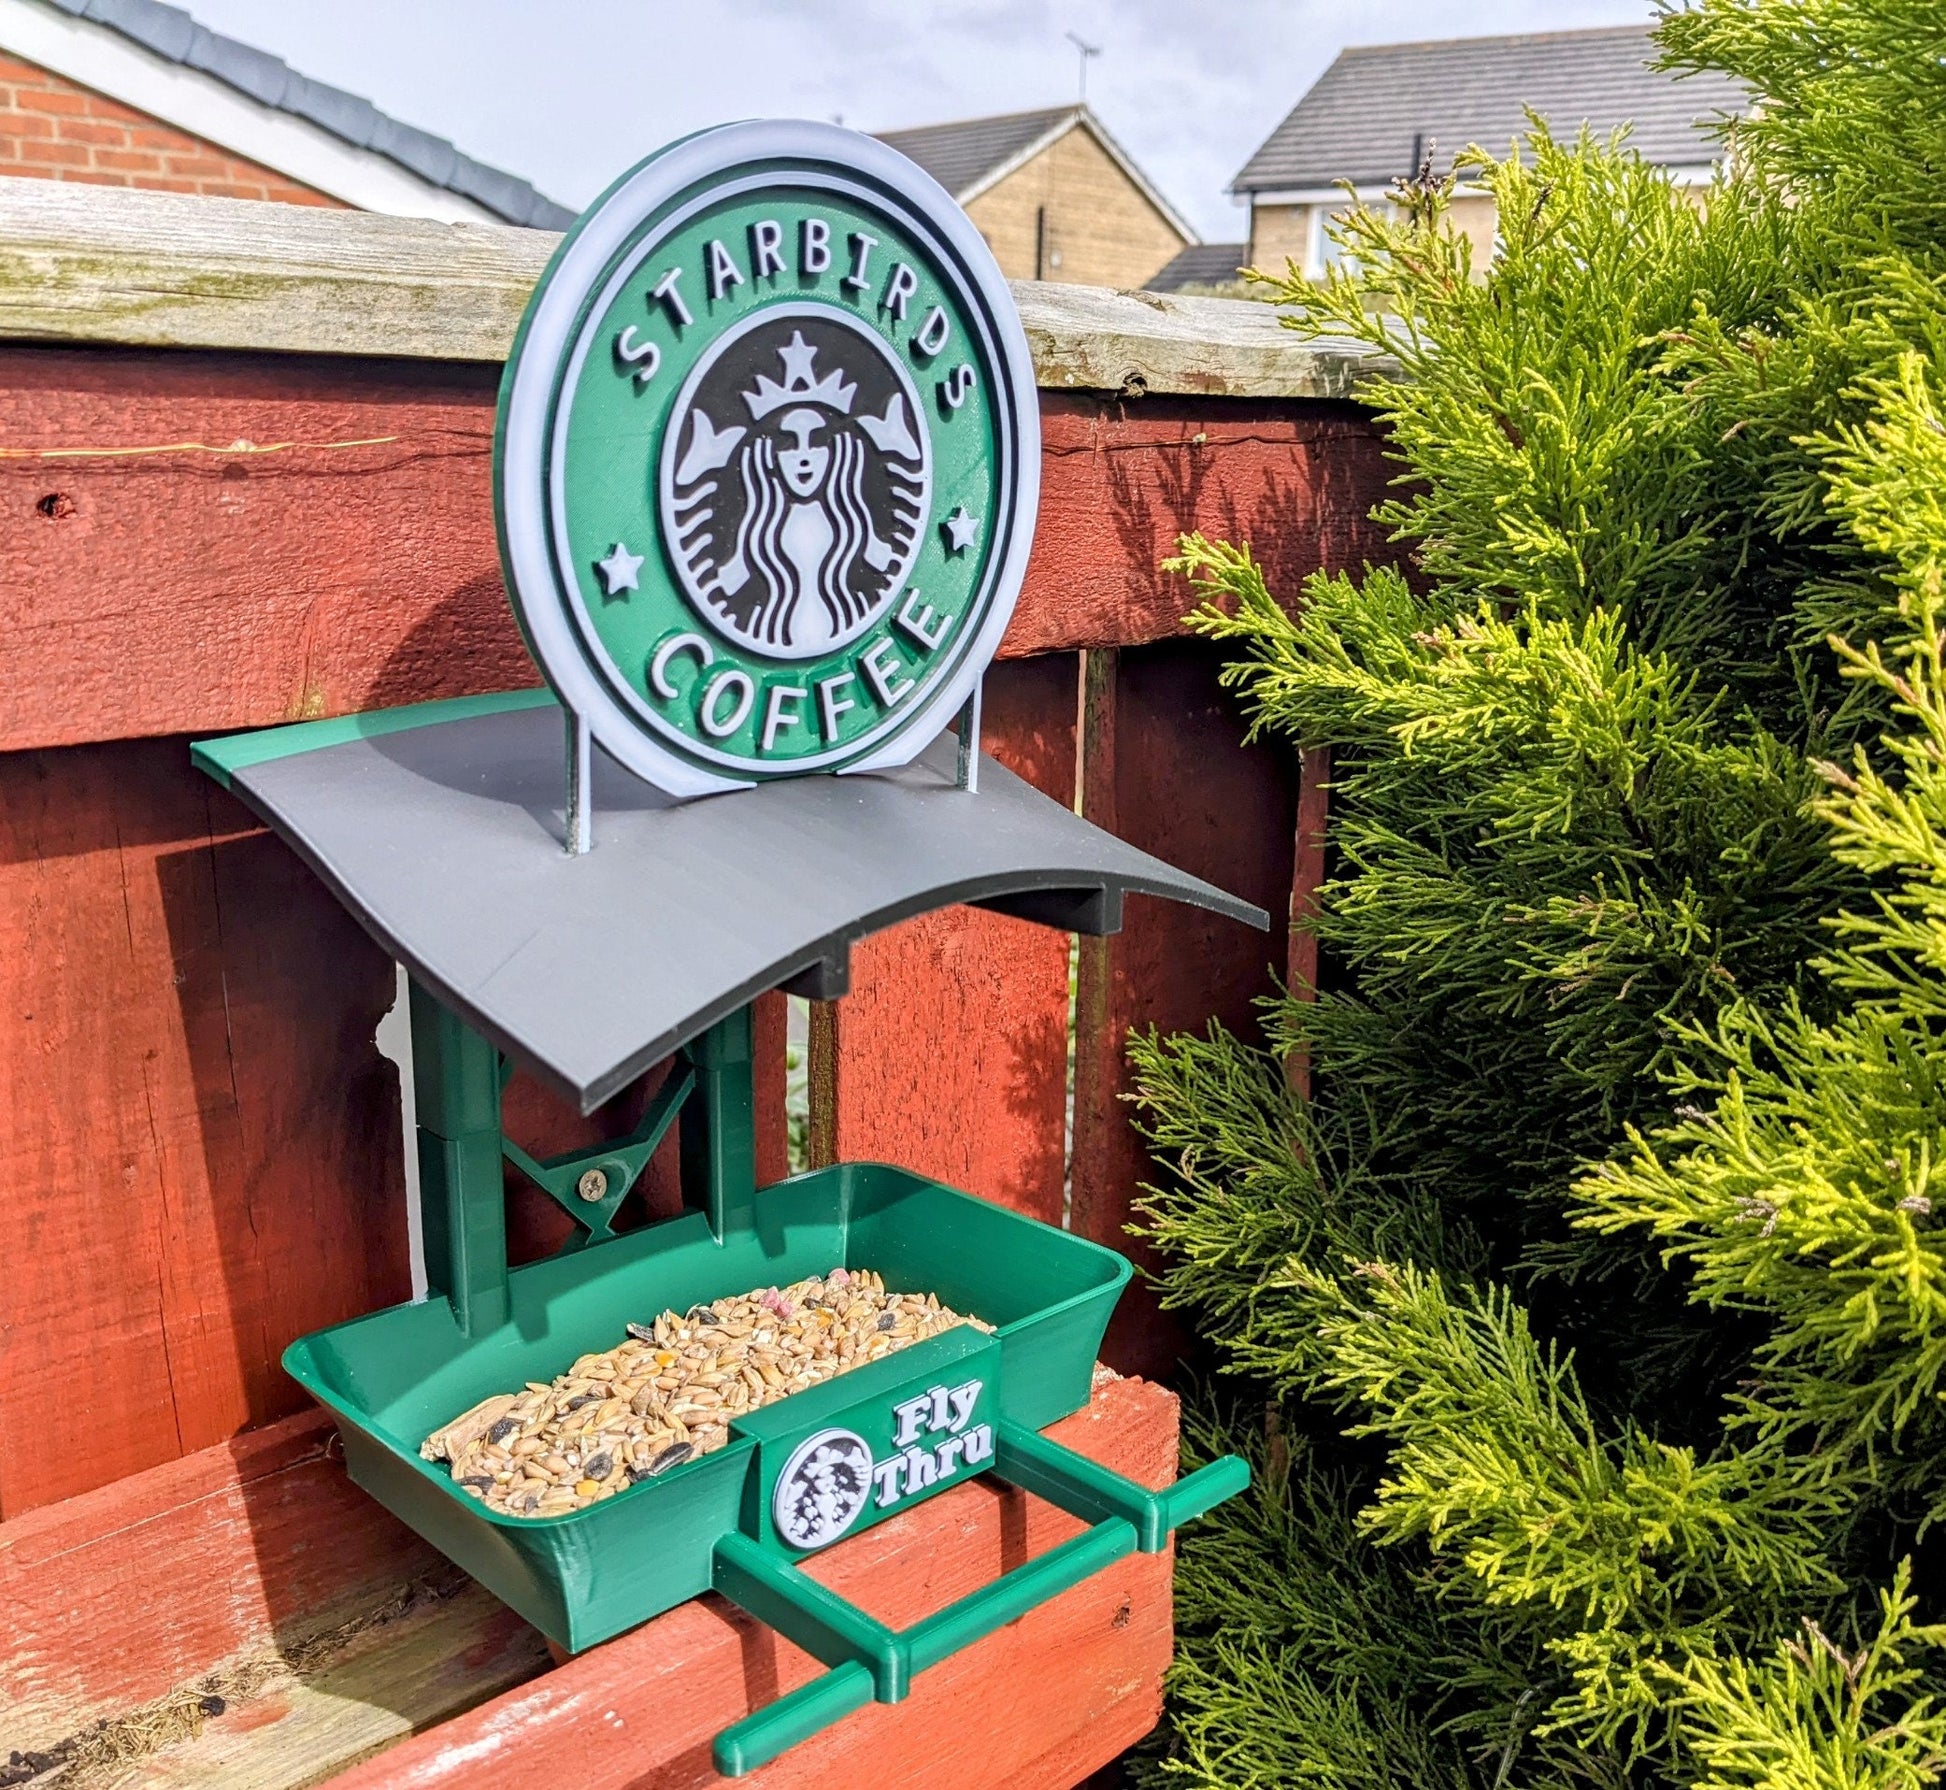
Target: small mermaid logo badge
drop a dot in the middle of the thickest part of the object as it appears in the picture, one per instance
(822, 1488)
(795, 481)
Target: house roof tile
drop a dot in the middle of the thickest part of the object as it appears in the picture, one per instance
(1361, 120)
(967, 157)
(1202, 264)
(960, 156)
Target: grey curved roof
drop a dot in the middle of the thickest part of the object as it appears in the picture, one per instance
(1361, 120)
(169, 32)
(439, 827)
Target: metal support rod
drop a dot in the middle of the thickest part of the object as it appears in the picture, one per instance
(969, 742)
(581, 786)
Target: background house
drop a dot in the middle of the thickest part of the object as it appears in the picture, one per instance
(1377, 111)
(136, 93)
(1055, 196)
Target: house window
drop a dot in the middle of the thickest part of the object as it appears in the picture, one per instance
(1327, 254)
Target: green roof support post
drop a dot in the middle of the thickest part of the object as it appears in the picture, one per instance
(462, 1199)
(719, 1127)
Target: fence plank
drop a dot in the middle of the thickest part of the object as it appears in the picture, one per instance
(250, 1550)
(199, 1153)
(950, 1052)
(117, 1597)
(1122, 482)
(165, 593)
(769, 1045)
(262, 581)
(1162, 766)
(99, 265)
(1307, 878)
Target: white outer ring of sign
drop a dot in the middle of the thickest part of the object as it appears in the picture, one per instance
(552, 331)
(799, 1455)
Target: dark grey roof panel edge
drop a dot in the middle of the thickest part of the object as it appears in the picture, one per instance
(458, 928)
(171, 33)
(976, 893)
(1201, 264)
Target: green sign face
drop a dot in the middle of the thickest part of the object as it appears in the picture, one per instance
(856, 1450)
(768, 460)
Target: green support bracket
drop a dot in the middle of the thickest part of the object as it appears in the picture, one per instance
(1085, 1488)
(870, 1661)
(456, 1080)
(779, 1726)
(799, 1608)
(719, 1127)
(863, 1653)
(589, 1185)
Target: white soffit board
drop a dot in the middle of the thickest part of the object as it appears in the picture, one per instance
(110, 64)
(1699, 174)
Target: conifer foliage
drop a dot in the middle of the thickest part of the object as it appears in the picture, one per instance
(1586, 1321)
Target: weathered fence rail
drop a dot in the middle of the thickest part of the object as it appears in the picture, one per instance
(245, 477)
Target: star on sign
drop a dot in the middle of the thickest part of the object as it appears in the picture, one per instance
(960, 530)
(619, 569)
(797, 359)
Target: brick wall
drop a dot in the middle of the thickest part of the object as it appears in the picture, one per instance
(1280, 233)
(52, 129)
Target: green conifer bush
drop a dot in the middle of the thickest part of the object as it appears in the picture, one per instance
(1586, 1321)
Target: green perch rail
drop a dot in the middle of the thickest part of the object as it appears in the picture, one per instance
(870, 1662)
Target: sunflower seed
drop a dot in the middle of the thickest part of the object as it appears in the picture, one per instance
(671, 1457)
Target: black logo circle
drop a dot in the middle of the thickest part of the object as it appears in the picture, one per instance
(795, 479)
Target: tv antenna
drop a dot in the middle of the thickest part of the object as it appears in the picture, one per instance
(1087, 51)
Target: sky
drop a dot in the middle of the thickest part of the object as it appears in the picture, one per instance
(569, 93)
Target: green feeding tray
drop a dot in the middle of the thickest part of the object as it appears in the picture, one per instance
(440, 827)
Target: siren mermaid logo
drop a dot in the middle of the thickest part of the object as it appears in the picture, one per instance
(796, 476)
(822, 1489)
(768, 461)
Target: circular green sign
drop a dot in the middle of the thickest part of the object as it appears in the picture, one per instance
(767, 460)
